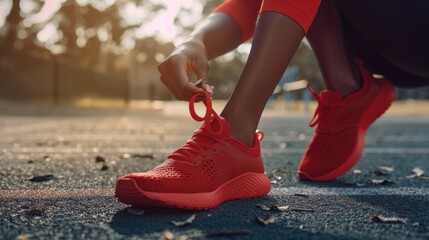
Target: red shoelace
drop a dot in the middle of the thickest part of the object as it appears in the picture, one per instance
(325, 114)
(202, 140)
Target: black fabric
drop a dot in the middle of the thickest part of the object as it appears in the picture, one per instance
(390, 36)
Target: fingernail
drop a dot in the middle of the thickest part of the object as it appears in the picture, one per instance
(208, 88)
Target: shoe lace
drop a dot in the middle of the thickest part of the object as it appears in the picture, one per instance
(202, 140)
(325, 114)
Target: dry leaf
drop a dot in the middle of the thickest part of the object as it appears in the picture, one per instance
(23, 237)
(35, 211)
(264, 207)
(389, 219)
(167, 235)
(42, 178)
(100, 159)
(135, 211)
(267, 220)
(357, 171)
(275, 171)
(104, 167)
(125, 155)
(418, 172)
(386, 168)
(381, 182)
(150, 156)
(186, 222)
(280, 208)
(301, 195)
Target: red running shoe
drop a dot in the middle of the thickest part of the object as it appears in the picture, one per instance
(212, 167)
(338, 140)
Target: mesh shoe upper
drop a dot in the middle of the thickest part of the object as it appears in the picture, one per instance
(209, 159)
(340, 127)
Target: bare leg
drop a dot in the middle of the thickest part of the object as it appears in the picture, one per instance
(326, 38)
(275, 41)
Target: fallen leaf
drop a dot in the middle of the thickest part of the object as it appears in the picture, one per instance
(386, 168)
(264, 207)
(266, 220)
(275, 171)
(135, 211)
(125, 155)
(389, 219)
(418, 172)
(357, 171)
(167, 235)
(221, 234)
(353, 184)
(150, 156)
(301, 195)
(23, 237)
(104, 167)
(100, 159)
(381, 182)
(186, 222)
(30, 161)
(42, 178)
(35, 211)
(280, 208)
(273, 181)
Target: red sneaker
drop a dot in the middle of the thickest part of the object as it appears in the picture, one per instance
(212, 167)
(338, 140)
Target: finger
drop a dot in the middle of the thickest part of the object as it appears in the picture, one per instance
(201, 71)
(175, 78)
(186, 91)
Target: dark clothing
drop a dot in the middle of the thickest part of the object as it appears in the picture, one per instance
(390, 36)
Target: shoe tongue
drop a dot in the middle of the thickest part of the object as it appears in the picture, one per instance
(216, 124)
(331, 96)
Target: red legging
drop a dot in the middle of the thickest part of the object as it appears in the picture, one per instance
(245, 12)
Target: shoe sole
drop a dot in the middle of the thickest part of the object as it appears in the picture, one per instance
(245, 186)
(374, 112)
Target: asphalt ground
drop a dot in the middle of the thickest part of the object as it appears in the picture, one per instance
(76, 201)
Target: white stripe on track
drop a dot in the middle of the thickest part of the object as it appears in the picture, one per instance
(352, 191)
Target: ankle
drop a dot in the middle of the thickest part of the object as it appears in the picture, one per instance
(240, 130)
(245, 138)
(348, 89)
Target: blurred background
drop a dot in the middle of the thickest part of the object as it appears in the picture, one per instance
(96, 53)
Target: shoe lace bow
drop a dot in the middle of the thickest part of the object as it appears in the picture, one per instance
(203, 139)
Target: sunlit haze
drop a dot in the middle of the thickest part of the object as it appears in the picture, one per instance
(161, 25)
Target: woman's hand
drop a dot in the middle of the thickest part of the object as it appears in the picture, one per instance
(188, 57)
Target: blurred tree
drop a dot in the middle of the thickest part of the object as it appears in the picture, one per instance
(106, 36)
(12, 23)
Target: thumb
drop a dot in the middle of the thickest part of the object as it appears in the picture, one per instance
(201, 72)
